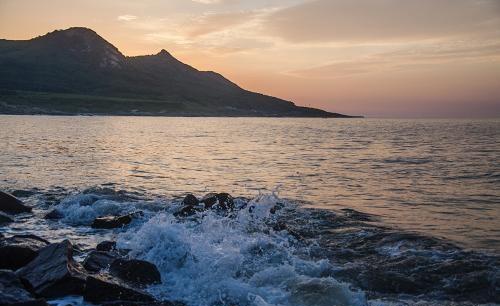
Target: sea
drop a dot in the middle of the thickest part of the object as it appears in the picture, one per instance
(329, 211)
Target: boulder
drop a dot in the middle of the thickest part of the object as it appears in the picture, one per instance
(106, 246)
(114, 221)
(5, 219)
(190, 200)
(222, 201)
(98, 260)
(102, 289)
(187, 211)
(12, 292)
(11, 205)
(54, 215)
(17, 251)
(134, 271)
(54, 273)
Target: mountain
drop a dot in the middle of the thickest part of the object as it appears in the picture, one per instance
(76, 71)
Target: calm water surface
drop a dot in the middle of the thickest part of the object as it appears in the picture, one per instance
(440, 177)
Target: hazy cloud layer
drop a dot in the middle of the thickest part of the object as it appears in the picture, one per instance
(381, 20)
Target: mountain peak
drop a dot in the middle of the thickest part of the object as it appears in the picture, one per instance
(164, 52)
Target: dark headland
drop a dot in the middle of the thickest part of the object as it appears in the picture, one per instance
(76, 72)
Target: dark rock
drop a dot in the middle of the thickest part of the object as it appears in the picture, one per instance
(222, 201)
(12, 292)
(187, 211)
(137, 272)
(54, 273)
(5, 219)
(101, 289)
(54, 215)
(11, 205)
(17, 251)
(98, 260)
(190, 200)
(209, 199)
(106, 246)
(113, 221)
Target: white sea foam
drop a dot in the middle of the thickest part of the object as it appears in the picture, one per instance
(218, 260)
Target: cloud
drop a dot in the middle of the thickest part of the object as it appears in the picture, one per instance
(207, 1)
(216, 22)
(126, 17)
(382, 20)
(405, 59)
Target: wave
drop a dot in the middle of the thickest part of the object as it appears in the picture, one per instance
(270, 251)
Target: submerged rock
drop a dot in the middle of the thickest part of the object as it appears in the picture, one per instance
(54, 273)
(5, 219)
(101, 289)
(12, 292)
(115, 221)
(11, 205)
(54, 215)
(98, 260)
(17, 251)
(137, 272)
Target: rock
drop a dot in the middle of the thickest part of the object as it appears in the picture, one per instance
(190, 200)
(98, 260)
(54, 215)
(5, 219)
(101, 289)
(12, 292)
(137, 272)
(221, 200)
(17, 251)
(54, 273)
(106, 246)
(11, 205)
(209, 199)
(187, 211)
(113, 221)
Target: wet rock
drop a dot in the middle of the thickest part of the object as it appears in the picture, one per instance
(106, 246)
(12, 292)
(137, 272)
(190, 200)
(54, 215)
(222, 201)
(17, 251)
(113, 221)
(98, 260)
(187, 211)
(5, 219)
(101, 289)
(11, 205)
(54, 273)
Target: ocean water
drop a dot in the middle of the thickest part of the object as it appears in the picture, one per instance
(376, 211)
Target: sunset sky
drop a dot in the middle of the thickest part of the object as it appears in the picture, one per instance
(380, 58)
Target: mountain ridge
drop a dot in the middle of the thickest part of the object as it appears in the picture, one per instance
(76, 71)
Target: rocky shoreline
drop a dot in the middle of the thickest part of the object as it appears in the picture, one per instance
(33, 270)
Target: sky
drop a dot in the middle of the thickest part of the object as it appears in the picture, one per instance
(378, 58)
